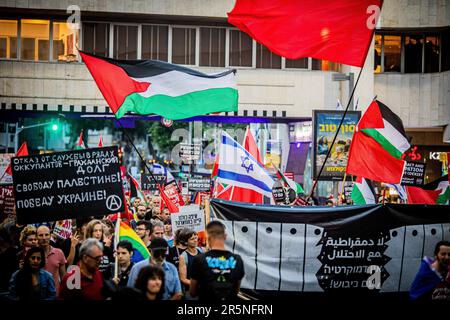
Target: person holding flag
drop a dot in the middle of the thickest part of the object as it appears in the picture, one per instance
(124, 252)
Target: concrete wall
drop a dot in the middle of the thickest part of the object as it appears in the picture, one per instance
(200, 8)
(395, 13)
(421, 100)
(415, 13)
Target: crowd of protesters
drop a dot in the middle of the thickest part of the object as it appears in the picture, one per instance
(38, 265)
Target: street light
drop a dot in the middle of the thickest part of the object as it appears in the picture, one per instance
(22, 128)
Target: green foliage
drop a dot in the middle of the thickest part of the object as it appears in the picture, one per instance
(160, 135)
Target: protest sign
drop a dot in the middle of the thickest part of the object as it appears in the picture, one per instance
(70, 184)
(413, 174)
(190, 153)
(279, 195)
(6, 202)
(63, 229)
(189, 217)
(172, 191)
(5, 159)
(199, 184)
(147, 183)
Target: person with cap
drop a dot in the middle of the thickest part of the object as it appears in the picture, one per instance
(158, 249)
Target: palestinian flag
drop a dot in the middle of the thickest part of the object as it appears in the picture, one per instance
(135, 190)
(289, 183)
(435, 192)
(156, 87)
(363, 192)
(378, 144)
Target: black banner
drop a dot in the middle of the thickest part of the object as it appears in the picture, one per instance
(147, 183)
(370, 249)
(199, 184)
(66, 185)
(413, 174)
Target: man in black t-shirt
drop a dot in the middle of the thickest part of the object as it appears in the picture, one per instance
(216, 275)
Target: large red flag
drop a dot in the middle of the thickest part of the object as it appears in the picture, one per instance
(170, 205)
(22, 152)
(335, 30)
(251, 146)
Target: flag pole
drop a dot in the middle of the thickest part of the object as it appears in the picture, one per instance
(343, 184)
(207, 218)
(116, 241)
(137, 151)
(3, 175)
(335, 135)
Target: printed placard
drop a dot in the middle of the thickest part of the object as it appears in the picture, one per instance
(65, 185)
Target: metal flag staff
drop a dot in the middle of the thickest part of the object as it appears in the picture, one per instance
(335, 136)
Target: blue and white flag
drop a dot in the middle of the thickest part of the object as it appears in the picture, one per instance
(237, 167)
(159, 169)
(339, 105)
(400, 190)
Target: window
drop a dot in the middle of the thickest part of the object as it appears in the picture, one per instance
(35, 43)
(125, 42)
(65, 41)
(155, 42)
(212, 47)
(240, 49)
(445, 54)
(432, 54)
(325, 65)
(8, 39)
(301, 63)
(413, 53)
(377, 54)
(183, 45)
(267, 59)
(392, 53)
(96, 38)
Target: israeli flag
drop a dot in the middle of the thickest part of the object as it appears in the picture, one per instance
(159, 169)
(237, 167)
(400, 190)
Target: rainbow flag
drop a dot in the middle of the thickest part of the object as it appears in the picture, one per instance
(140, 250)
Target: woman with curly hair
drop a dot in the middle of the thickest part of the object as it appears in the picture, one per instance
(28, 239)
(96, 229)
(150, 282)
(32, 282)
